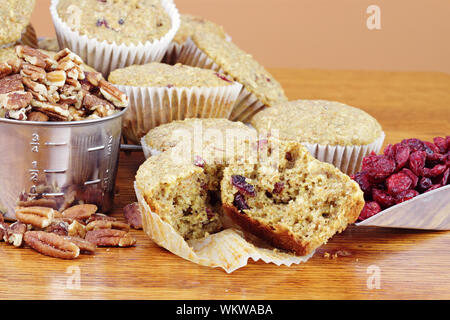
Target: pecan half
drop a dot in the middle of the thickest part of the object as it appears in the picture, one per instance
(93, 78)
(40, 217)
(15, 100)
(33, 72)
(58, 227)
(33, 56)
(84, 245)
(112, 94)
(15, 232)
(110, 238)
(5, 69)
(99, 216)
(56, 78)
(43, 202)
(11, 83)
(51, 244)
(54, 111)
(132, 215)
(37, 116)
(76, 229)
(107, 224)
(80, 212)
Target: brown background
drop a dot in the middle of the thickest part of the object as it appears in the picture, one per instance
(331, 34)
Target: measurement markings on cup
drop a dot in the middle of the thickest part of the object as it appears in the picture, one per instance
(34, 171)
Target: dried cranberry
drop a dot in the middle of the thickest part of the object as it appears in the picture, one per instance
(447, 140)
(435, 171)
(389, 151)
(413, 177)
(223, 77)
(363, 180)
(278, 187)
(414, 144)
(102, 22)
(239, 202)
(424, 183)
(401, 155)
(435, 158)
(441, 144)
(370, 209)
(378, 167)
(398, 183)
(433, 187)
(432, 147)
(445, 176)
(384, 199)
(243, 186)
(406, 195)
(199, 162)
(417, 162)
(121, 21)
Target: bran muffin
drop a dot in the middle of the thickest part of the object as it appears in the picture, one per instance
(128, 22)
(189, 26)
(111, 34)
(260, 87)
(332, 131)
(174, 189)
(15, 16)
(289, 198)
(160, 93)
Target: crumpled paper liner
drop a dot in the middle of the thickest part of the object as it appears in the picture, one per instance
(106, 57)
(247, 104)
(152, 106)
(346, 158)
(227, 249)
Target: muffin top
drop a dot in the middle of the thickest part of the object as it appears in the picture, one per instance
(15, 16)
(7, 54)
(319, 121)
(119, 21)
(242, 67)
(193, 24)
(157, 74)
(197, 133)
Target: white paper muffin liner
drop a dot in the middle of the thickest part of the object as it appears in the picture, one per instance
(227, 249)
(346, 158)
(106, 57)
(148, 151)
(152, 106)
(247, 104)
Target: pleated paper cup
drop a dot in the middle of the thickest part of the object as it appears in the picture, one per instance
(247, 104)
(106, 57)
(227, 249)
(153, 106)
(346, 158)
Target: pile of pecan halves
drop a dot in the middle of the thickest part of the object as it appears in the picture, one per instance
(37, 87)
(66, 234)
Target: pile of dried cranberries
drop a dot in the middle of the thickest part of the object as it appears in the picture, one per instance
(402, 172)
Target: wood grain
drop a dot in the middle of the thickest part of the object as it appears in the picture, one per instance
(411, 264)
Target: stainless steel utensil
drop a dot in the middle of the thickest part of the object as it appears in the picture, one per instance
(60, 162)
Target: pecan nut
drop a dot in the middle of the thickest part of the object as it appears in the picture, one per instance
(132, 215)
(43, 202)
(112, 94)
(110, 238)
(84, 245)
(14, 233)
(40, 217)
(58, 227)
(107, 224)
(100, 216)
(80, 212)
(37, 116)
(51, 244)
(76, 229)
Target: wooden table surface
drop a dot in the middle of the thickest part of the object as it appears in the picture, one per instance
(378, 263)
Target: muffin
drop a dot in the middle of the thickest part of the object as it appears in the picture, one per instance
(332, 131)
(277, 192)
(260, 88)
(174, 189)
(290, 199)
(113, 34)
(49, 44)
(15, 16)
(189, 25)
(16, 28)
(161, 93)
(198, 135)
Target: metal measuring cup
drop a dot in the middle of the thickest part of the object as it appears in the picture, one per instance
(58, 163)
